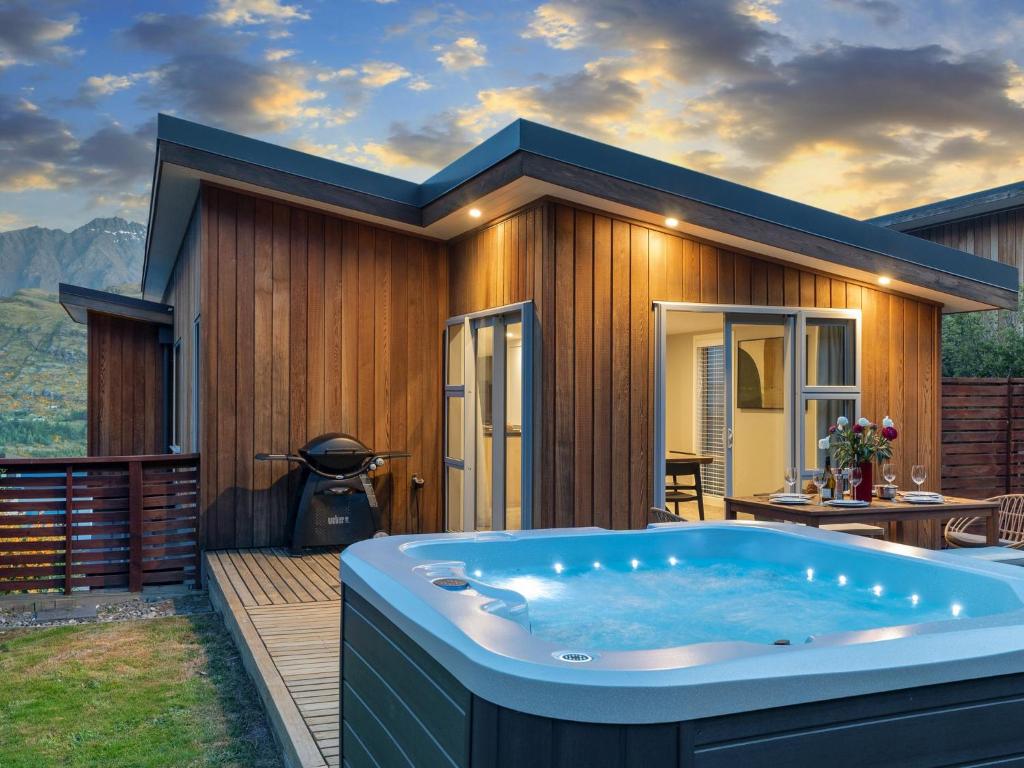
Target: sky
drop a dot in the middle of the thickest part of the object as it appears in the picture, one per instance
(858, 106)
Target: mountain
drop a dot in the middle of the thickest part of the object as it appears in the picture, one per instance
(102, 253)
(43, 371)
(42, 377)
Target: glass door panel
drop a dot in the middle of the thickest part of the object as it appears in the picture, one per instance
(759, 446)
(487, 454)
(483, 464)
(513, 424)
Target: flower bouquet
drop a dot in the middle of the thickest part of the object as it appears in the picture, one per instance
(860, 445)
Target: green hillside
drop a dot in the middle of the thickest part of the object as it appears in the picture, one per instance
(42, 377)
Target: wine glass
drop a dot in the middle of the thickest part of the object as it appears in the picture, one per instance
(819, 478)
(856, 475)
(889, 472)
(792, 476)
(919, 473)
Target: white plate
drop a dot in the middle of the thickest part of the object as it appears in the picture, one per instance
(790, 500)
(846, 503)
(924, 500)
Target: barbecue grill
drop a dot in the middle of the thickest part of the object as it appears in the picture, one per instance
(335, 504)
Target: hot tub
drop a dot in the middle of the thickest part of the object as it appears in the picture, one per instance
(713, 644)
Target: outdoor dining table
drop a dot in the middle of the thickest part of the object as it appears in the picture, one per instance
(879, 511)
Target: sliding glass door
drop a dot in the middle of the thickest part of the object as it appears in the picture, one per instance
(783, 374)
(487, 416)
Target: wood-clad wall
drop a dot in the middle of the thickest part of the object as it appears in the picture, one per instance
(998, 236)
(593, 279)
(183, 294)
(311, 324)
(125, 387)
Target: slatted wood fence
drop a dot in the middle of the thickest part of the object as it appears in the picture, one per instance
(982, 436)
(71, 524)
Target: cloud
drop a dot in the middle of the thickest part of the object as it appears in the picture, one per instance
(884, 12)
(29, 37)
(41, 152)
(884, 91)
(686, 41)
(278, 54)
(431, 146)
(209, 78)
(10, 221)
(462, 54)
(377, 74)
(234, 12)
(98, 86)
(420, 84)
(887, 138)
(592, 101)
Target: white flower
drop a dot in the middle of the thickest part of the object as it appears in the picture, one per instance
(823, 443)
(863, 422)
(887, 422)
(842, 421)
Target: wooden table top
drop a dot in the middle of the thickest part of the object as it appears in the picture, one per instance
(688, 458)
(952, 507)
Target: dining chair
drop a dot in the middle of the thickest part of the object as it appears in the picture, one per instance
(677, 492)
(960, 531)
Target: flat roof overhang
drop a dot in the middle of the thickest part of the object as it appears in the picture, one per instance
(993, 200)
(78, 302)
(525, 162)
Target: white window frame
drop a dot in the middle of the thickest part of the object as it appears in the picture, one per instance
(798, 393)
(467, 391)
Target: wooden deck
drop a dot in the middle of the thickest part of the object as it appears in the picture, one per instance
(284, 615)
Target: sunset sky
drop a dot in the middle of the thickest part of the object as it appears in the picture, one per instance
(859, 106)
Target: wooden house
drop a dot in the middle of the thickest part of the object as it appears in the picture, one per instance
(541, 325)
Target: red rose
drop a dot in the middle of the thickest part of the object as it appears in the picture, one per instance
(858, 428)
(832, 429)
(890, 433)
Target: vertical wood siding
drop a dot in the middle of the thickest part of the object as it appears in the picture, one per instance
(311, 324)
(125, 387)
(593, 279)
(998, 236)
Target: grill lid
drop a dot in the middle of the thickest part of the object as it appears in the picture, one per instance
(336, 453)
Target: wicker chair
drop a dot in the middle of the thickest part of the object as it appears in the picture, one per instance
(958, 531)
(659, 515)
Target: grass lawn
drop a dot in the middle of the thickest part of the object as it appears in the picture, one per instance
(162, 692)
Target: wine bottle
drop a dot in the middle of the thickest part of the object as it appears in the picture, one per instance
(828, 490)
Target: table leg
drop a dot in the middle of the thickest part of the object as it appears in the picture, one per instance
(730, 512)
(992, 528)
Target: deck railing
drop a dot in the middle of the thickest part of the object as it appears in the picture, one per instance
(72, 524)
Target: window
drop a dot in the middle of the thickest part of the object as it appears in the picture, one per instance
(830, 383)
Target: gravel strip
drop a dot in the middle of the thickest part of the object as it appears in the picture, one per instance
(27, 615)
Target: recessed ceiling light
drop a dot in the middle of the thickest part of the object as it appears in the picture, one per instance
(883, 280)
(671, 222)
(474, 212)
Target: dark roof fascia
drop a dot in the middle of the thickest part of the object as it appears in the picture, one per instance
(503, 157)
(289, 183)
(954, 209)
(692, 185)
(79, 301)
(174, 130)
(740, 224)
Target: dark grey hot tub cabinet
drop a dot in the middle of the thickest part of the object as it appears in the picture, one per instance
(400, 708)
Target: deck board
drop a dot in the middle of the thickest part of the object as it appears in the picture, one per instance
(292, 605)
